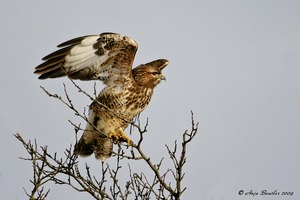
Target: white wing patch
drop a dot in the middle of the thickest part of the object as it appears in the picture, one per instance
(81, 53)
(106, 57)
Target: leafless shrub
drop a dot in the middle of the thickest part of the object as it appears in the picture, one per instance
(65, 170)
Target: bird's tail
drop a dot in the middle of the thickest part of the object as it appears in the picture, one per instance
(90, 142)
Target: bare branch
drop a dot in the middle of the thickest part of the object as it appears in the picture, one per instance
(109, 183)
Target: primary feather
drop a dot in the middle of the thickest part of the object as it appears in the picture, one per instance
(107, 57)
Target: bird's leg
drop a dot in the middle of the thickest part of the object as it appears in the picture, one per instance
(121, 136)
(124, 137)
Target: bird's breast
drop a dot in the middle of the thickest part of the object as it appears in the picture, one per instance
(136, 101)
(128, 102)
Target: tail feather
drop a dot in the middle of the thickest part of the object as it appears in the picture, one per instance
(92, 141)
(104, 148)
(101, 147)
(84, 149)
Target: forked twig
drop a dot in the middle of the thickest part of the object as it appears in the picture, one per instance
(139, 185)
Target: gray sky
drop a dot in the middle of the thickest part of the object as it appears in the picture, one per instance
(234, 63)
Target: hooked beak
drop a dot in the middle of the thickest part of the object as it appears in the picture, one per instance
(163, 63)
(162, 77)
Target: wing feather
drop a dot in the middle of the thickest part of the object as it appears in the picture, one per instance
(74, 41)
(106, 57)
(58, 53)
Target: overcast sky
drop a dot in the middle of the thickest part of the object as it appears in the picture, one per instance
(236, 64)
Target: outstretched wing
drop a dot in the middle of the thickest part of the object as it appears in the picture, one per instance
(107, 57)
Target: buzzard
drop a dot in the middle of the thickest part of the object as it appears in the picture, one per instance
(107, 57)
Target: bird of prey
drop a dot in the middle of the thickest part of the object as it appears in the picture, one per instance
(107, 57)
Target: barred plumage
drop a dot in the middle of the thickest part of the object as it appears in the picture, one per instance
(107, 57)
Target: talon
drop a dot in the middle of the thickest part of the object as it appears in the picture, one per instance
(129, 141)
(120, 136)
(113, 136)
(124, 137)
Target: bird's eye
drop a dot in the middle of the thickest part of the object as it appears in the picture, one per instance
(155, 73)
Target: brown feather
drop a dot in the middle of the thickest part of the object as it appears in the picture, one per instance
(126, 94)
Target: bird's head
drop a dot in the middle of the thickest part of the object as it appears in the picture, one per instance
(150, 74)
